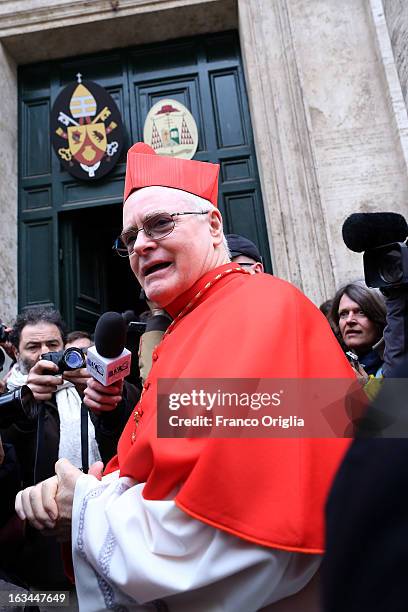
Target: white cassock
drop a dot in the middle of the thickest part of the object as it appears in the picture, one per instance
(130, 553)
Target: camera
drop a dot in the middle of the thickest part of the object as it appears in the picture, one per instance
(4, 335)
(383, 239)
(16, 406)
(71, 359)
(386, 266)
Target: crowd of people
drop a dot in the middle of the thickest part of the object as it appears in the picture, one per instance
(192, 523)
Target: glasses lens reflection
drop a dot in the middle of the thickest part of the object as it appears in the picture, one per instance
(159, 226)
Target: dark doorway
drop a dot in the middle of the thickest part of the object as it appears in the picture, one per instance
(94, 278)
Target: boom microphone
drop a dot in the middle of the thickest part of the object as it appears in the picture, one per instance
(366, 231)
(109, 360)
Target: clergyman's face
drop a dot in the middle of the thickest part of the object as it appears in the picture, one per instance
(166, 268)
(36, 340)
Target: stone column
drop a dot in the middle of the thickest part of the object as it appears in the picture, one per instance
(394, 61)
(8, 187)
(324, 131)
(285, 150)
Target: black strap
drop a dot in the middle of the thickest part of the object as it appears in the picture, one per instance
(39, 444)
(84, 438)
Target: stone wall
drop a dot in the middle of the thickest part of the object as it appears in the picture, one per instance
(38, 30)
(8, 188)
(360, 163)
(327, 136)
(396, 15)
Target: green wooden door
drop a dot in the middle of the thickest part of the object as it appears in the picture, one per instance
(66, 226)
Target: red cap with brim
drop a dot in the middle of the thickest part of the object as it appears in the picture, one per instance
(146, 169)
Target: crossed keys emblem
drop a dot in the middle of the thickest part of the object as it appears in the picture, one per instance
(86, 130)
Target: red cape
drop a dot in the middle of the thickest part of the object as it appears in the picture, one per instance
(268, 491)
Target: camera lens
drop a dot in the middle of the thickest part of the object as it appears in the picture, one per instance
(390, 269)
(74, 358)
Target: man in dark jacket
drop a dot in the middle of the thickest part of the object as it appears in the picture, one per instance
(53, 428)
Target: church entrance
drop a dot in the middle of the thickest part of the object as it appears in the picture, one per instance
(67, 225)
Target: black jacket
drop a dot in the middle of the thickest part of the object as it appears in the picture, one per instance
(36, 437)
(36, 442)
(366, 560)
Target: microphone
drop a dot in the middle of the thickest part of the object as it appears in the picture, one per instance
(366, 231)
(109, 360)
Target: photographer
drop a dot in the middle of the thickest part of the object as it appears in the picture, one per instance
(52, 429)
(37, 438)
(58, 426)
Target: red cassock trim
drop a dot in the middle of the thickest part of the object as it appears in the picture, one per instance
(268, 491)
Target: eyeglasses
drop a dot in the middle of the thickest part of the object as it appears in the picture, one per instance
(157, 227)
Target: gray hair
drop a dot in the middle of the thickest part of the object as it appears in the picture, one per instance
(200, 203)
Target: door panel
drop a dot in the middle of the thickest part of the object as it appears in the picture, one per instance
(36, 285)
(227, 111)
(37, 150)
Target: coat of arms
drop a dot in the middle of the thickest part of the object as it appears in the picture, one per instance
(86, 126)
(171, 130)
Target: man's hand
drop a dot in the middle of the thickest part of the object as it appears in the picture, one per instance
(48, 505)
(102, 399)
(67, 476)
(42, 380)
(3, 386)
(37, 504)
(79, 378)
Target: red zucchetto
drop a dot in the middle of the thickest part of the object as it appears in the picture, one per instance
(144, 168)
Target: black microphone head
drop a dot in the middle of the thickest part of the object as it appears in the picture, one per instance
(365, 231)
(128, 316)
(110, 334)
